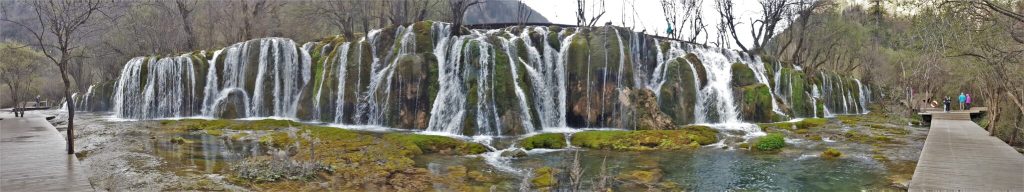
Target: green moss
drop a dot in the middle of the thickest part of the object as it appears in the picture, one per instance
(215, 132)
(756, 103)
(544, 177)
(435, 144)
(277, 139)
(810, 123)
(771, 142)
(831, 153)
(646, 139)
(855, 136)
(544, 140)
(424, 36)
(742, 75)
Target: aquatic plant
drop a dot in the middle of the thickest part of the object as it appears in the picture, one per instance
(771, 142)
(831, 153)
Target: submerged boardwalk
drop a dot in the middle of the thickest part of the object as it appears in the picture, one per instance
(959, 155)
(33, 158)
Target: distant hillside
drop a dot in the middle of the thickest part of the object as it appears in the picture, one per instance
(499, 11)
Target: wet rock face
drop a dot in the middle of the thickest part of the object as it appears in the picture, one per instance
(597, 73)
(649, 117)
(410, 91)
(755, 103)
(233, 106)
(678, 95)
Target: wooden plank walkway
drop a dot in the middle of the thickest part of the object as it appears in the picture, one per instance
(959, 155)
(33, 158)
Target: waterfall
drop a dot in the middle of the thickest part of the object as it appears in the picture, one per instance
(718, 92)
(861, 92)
(486, 113)
(447, 114)
(211, 85)
(548, 70)
(524, 108)
(760, 73)
(472, 93)
(83, 104)
(339, 102)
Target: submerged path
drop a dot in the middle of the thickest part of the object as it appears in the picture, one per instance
(959, 155)
(33, 157)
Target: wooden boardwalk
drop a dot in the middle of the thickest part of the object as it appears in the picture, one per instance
(959, 155)
(33, 158)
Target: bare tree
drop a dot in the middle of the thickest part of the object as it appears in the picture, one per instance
(61, 27)
(458, 11)
(597, 8)
(523, 13)
(762, 29)
(185, 8)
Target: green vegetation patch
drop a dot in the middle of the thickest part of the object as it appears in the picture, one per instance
(685, 138)
(544, 177)
(544, 140)
(771, 142)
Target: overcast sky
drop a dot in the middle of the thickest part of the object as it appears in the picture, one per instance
(649, 15)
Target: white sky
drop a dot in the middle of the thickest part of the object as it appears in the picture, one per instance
(649, 15)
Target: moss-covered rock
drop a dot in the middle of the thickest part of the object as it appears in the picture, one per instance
(678, 95)
(756, 103)
(684, 138)
(436, 144)
(544, 140)
(742, 75)
(698, 65)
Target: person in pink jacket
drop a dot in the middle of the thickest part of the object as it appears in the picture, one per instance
(968, 102)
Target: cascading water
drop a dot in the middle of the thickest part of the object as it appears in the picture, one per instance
(364, 81)
(717, 94)
(864, 94)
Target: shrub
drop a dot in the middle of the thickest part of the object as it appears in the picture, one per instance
(771, 142)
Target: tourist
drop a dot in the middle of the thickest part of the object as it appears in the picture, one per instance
(945, 104)
(962, 99)
(968, 101)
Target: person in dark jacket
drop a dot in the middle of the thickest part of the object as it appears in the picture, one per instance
(945, 104)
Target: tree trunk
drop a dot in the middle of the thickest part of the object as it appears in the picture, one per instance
(71, 112)
(186, 22)
(14, 98)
